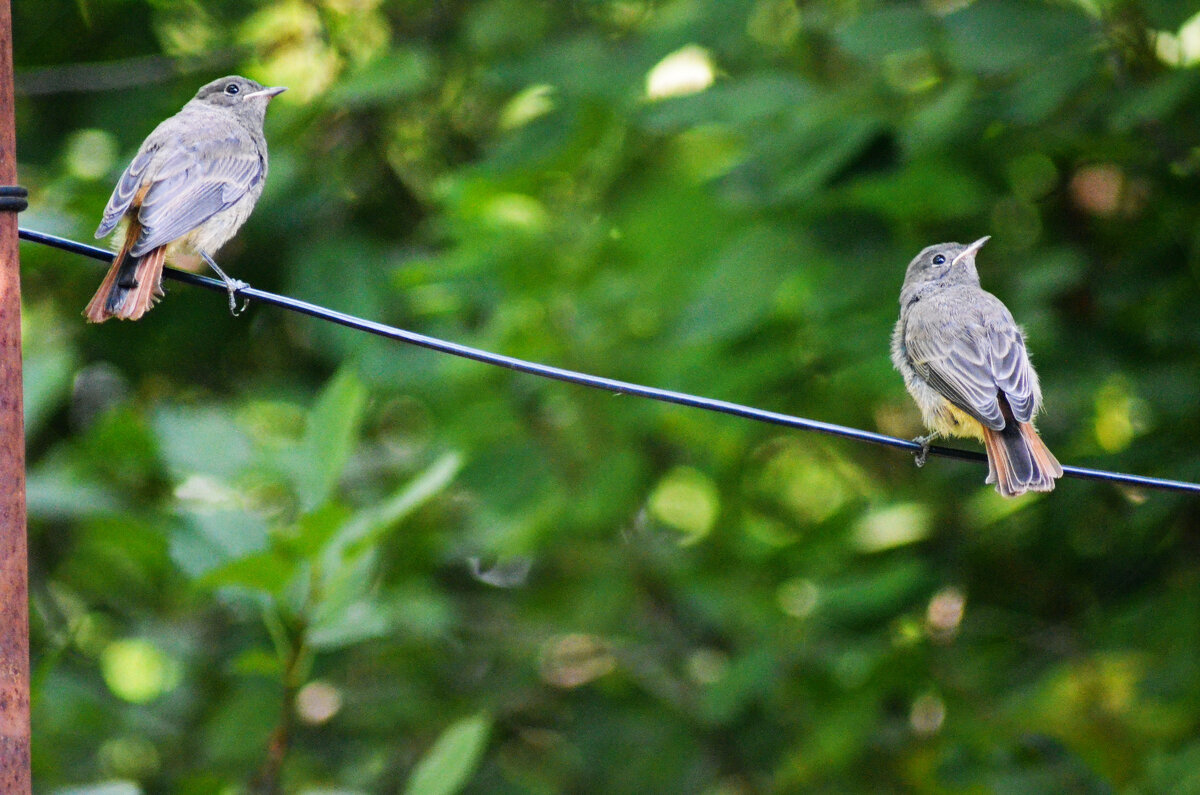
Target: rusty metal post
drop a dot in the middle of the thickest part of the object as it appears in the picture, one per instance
(14, 568)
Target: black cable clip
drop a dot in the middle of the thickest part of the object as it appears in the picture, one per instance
(13, 198)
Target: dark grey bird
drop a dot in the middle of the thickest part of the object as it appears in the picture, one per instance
(191, 186)
(964, 361)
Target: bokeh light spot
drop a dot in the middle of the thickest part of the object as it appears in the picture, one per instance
(569, 661)
(529, 104)
(138, 671)
(928, 714)
(1120, 415)
(893, 526)
(945, 613)
(686, 71)
(91, 153)
(688, 501)
(317, 702)
(798, 597)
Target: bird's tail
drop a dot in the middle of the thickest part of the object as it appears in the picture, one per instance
(1018, 460)
(132, 285)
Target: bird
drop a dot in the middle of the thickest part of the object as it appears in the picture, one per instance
(965, 363)
(190, 187)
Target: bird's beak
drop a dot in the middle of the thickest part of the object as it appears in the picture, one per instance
(273, 91)
(970, 250)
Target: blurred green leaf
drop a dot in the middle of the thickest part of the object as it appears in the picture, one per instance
(46, 375)
(313, 531)
(450, 763)
(402, 72)
(329, 437)
(210, 539)
(1167, 14)
(726, 300)
(57, 493)
(368, 527)
(1006, 35)
(739, 683)
(349, 624)
(263, 571)
(892, 29)
(885, 590)
(927, 190)
(200, 440)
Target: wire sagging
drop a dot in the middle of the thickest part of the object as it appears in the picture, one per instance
(595, 382)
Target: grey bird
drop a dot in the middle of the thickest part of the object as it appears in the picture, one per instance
(964, 362)
(189, 189)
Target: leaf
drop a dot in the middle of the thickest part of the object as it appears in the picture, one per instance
(1009, 35)
(877, 34)
(46, 381)
(1049, 86)
(1167, 14)
(742, 680)
(725, 301)
(201, 440)
(816, 149)
(332, 430)
(54, 491)
(345, 613)
(313, 530)
(923, 191)
(353, 623)
(448, 765)
(265, 571)
(368, 526)
(1156, 101)
(258, 662)
(402, 72)
(209, 540)
(878, 591)
(739, 103)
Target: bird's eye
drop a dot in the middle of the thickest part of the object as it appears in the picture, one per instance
(232, 89)
(939, 259)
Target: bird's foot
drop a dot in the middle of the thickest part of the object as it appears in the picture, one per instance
(921, 455)
(232, 286)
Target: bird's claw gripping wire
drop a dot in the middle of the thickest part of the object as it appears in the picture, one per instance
(919, 456)
(232, 286)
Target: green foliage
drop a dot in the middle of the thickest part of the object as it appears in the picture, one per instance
(451, 760)
(274, 555)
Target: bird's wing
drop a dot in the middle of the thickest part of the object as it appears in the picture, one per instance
(1012, 371)
(971, 363)
(193, 181)
(126, 190)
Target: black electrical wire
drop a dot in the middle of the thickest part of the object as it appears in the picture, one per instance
(595, 382)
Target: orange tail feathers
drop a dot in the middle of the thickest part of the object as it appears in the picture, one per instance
(131, 286)
(1019, 461)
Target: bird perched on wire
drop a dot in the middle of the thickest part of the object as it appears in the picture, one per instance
(190, 187)
(964, 361)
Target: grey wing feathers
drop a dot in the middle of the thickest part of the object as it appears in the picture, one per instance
(123, 194)
(193, 185)
(1012, 371)
(958, 369)
(972, 362)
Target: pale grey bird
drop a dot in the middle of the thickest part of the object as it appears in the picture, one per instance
(964, 361)
(190, 187)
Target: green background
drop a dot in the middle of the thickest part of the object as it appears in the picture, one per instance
(268, 554)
